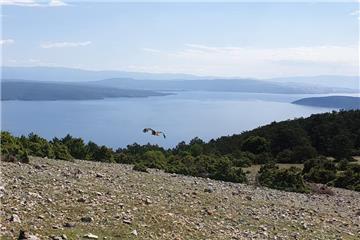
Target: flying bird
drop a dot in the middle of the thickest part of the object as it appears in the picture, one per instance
(153, 132)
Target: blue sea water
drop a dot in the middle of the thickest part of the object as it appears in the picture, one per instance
(183, 116)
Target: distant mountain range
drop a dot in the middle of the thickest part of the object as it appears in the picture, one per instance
(42, 91)
(341, 102)
(50, 83)
(62, 74)
(352, 82)
(223, 85)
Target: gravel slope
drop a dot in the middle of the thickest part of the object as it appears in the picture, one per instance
(49, 198)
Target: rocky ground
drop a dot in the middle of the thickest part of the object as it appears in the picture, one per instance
(50, 199)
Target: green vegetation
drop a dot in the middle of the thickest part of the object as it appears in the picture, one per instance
(309, 141)
(342, 174)
(283, 179)
(319, 170)
(140, 167)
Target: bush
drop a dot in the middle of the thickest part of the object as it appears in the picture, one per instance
(284, 156)
(23, 158)
(283, 179)
(256, 145)
(154, 159)
(342, 164)
(12, 149)
(302, 153)
(320, 175)
(243, 159)
(298, 155)
(61, 152)
(341, 146)
(140, 167)
(125, 158)
(263, 158)
(180, 164)
(319, 170)
(225, 171)
(321, 162)
(349, 179)
(37, 146)
(76, 147)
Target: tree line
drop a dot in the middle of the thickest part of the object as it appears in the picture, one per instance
(319, 141)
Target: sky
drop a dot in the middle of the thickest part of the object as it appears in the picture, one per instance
(258, 40)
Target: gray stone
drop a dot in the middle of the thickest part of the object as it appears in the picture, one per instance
(87, 219)
(69, 225)
(15, 218)
(209, 189)
(134, 232)
(90, 236)
(27, 236)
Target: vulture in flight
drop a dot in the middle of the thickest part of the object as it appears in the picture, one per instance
(153, 132)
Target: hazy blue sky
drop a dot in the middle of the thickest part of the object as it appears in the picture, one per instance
(223, 39)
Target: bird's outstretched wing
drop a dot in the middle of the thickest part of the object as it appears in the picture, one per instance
(153, 132)
(158, 134)
(147, 129)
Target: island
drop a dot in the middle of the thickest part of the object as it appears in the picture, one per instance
(339, 102)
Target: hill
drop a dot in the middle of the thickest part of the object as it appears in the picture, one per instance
(340, 102)
(161, 81)
(220, 85)
(58, 199)
(63, 74)
(42, 91)
(324, 80)
(324, 143)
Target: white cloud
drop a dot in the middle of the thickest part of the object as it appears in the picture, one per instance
(151, 50)
(6, 41)
(330, 54)
(33, 3)
(354, 13)
(64, 44)
(57, 3)
(260, 62)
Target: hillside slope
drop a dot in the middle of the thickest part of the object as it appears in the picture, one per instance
(221, 85)
(41, 91)
(110, 200)
(341, 102)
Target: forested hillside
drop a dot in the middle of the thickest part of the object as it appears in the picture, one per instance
(324, 143)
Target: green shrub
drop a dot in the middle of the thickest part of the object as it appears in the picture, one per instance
(243, 159)
(154, 159)
(284, 156)
(283, 179)
(225, 171)
(263, 158)
(299, 154)
(349, 179)
(76, 146)
(342, 164)
(319, 170)
(302, 153)
(11, 148)
(140, 167)
(341, 146)
(256, 145)
(61, 152)
(37, 146)
(180, 164)
(320, 175)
